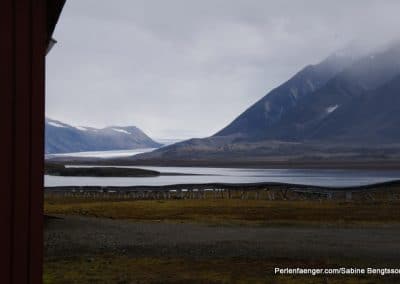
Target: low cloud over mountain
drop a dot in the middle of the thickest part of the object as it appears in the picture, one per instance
(345, 102)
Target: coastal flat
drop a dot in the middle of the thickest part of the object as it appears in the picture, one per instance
(216, 241)
(232, 211)
(74, 235)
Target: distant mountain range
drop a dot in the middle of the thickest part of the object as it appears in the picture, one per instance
(63, 138)
(345, 106)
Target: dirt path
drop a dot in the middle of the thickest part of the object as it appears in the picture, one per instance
(71, 235)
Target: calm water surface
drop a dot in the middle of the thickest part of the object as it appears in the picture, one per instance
(331, 178)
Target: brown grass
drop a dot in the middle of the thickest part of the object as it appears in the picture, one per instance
(122, 269)
(232, 211)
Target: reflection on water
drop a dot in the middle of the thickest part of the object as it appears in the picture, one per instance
(332, 178)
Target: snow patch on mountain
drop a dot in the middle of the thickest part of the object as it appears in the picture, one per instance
(121, 130)
(55, 124)
(331, 108)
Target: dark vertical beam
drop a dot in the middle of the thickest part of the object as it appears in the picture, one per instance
(22, 140)
(39, 38)
(22, 59)
(6, 162)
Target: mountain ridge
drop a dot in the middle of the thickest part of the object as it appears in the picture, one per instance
(330, 103)
(64, 138)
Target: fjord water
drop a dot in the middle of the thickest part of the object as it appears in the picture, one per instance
(199, 175)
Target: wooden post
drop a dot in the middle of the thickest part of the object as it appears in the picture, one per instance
(348, 196)
(284, 194)
(271, 195)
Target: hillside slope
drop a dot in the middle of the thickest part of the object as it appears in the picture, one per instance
(338, 107)
(64, 138)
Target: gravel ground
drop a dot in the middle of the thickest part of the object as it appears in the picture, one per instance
(73, 235)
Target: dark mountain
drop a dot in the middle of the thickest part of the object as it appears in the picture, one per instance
(342, 105)
(372, 117)
(64, 138)
(293, 111)
(258, 121)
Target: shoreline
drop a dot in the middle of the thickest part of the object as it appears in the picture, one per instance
(262, 164)
(231, 186)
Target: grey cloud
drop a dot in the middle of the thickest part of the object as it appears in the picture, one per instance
(183, 68)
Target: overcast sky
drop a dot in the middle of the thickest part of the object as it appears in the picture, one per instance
(186, 68)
